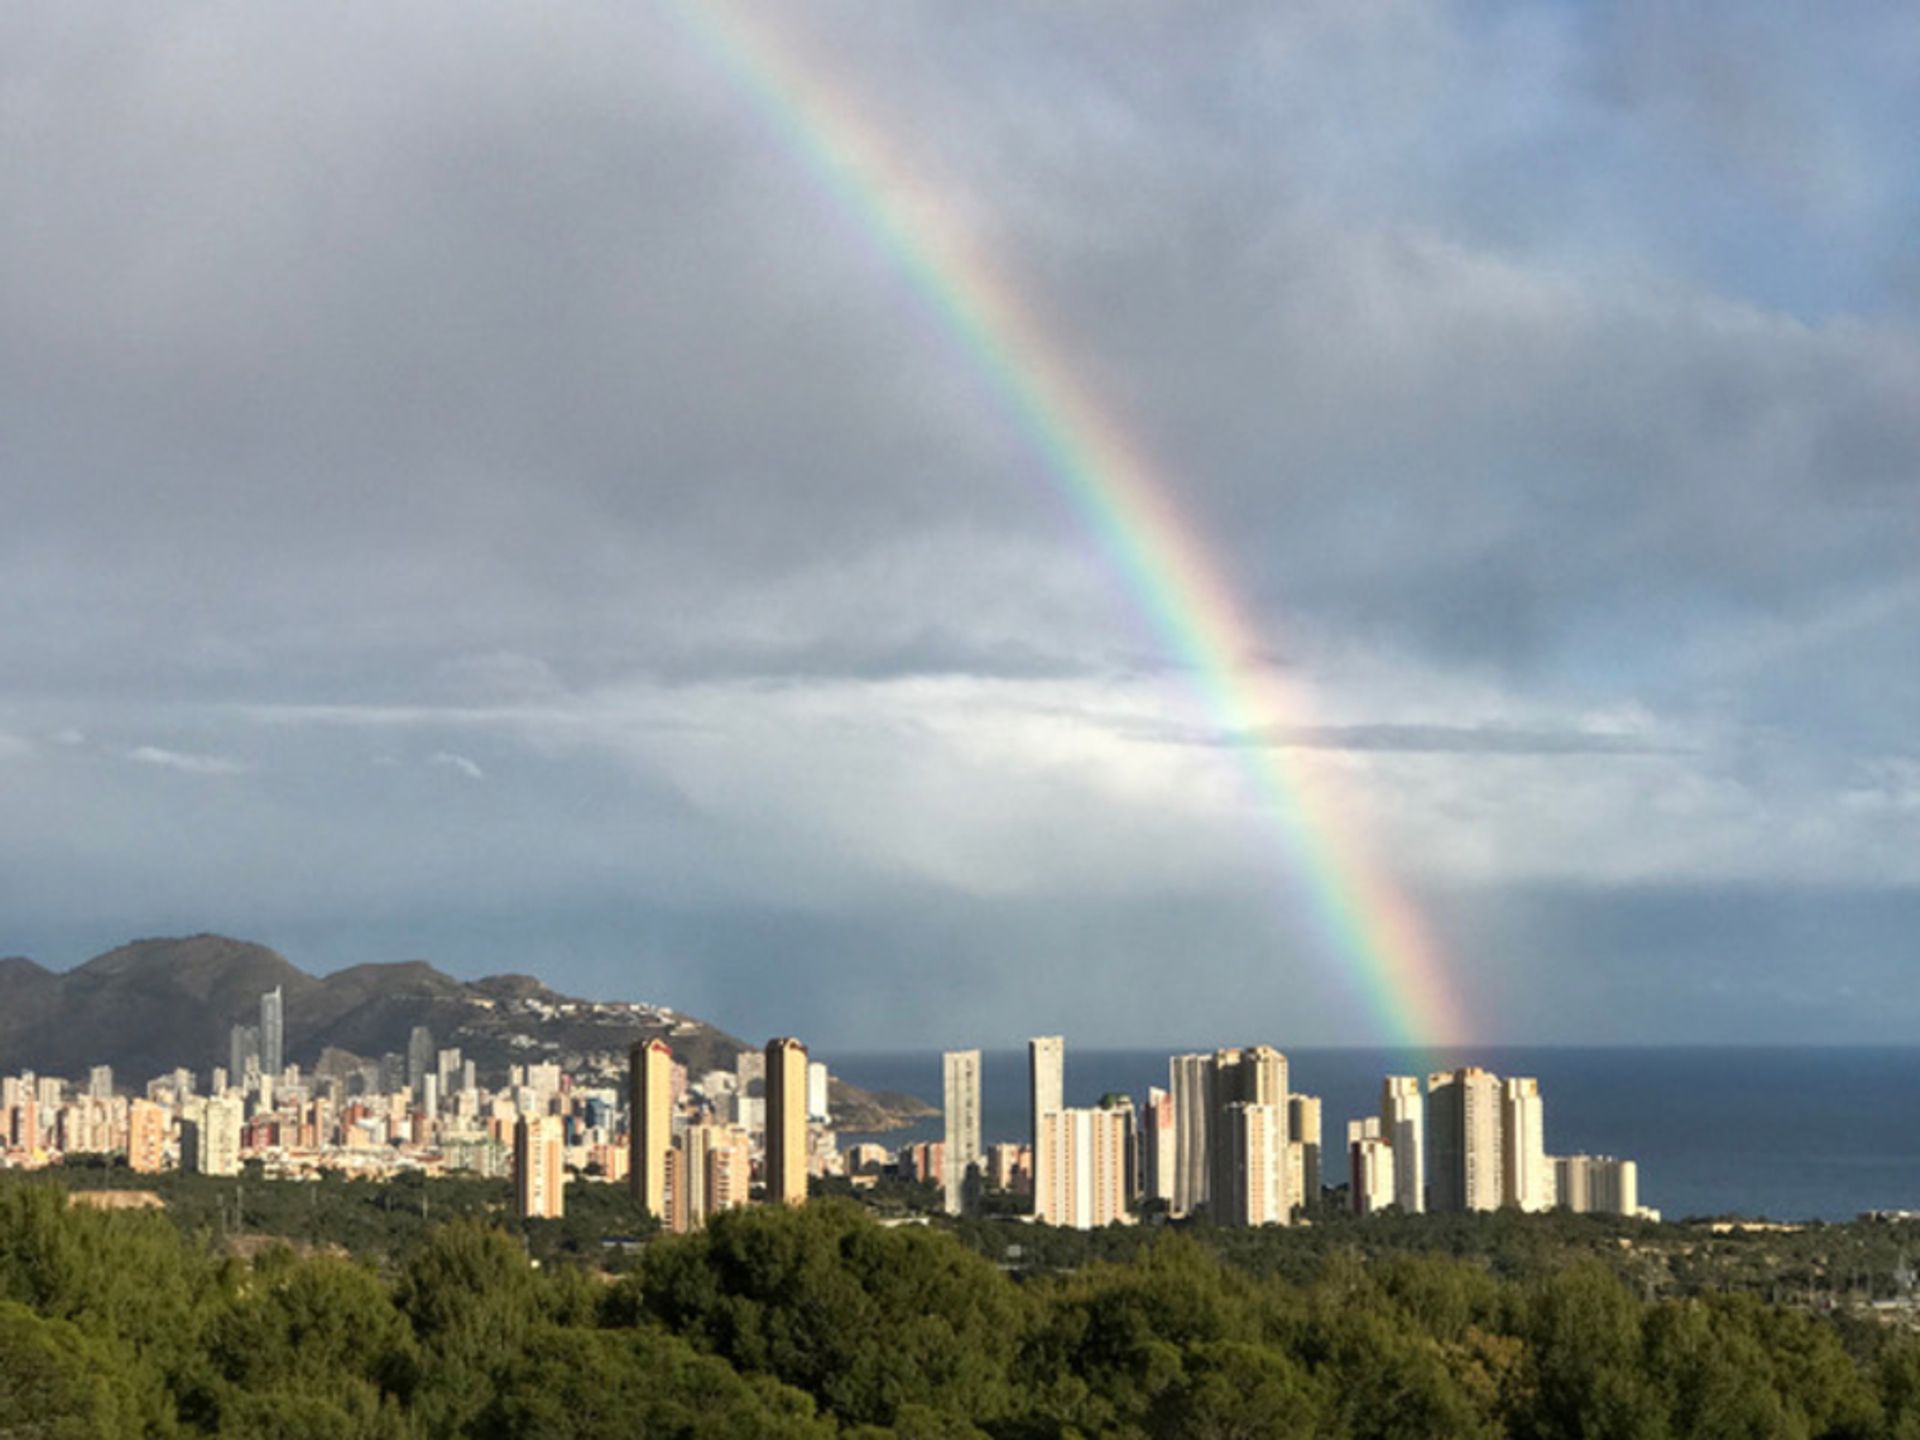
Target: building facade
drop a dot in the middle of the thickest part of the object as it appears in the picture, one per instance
(1463, 1141)
(1046, 1093)
(649, 1124)
(961, 1090)
(1526, 1174)
(539, 1168)
(1403, 1124)
(1083, 1154)
(786, 1147)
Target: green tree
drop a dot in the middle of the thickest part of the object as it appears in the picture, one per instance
(57, 1383)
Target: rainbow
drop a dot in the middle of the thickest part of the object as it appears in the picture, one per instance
(1110, 483)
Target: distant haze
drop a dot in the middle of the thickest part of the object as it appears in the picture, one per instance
(469, 492)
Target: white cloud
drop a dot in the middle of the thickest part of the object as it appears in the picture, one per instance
(187, 762)
(451, 761)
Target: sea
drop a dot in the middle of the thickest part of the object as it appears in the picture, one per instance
(1762, 1132)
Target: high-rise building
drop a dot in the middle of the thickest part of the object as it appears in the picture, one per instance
(1370, 1166)
(1046, 1093)
(243, 1053)
(146, 1137)
(1403, 1123)
(1121, 1103)
(1254, 1190)
(1157, 1146)
(961, 1089)
(1256, 1075)
(100, 1083)
(210, 1139)
(1190, 1077)
(420, 1053)
(707, 1172)
(819, 1093)
(786, 1147)
(1085, 1158)
(446, 1064)
(273, 1034)
(1303, 1125)
(1463, 1141)
(650, 1124)
(1526, 1174)
(539, 1171)
(1596, 1185)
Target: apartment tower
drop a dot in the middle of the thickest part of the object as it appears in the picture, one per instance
(1085, 1161)
(1190, 1078)
(1403, 1124)
(1303, 1126)
(539, 1169)
(273, 1034)
(961, 1091)
(1046, 1093)
(1463, 1141)
(649, 1124)
(1370, 1166)
(1157, 1146)
(1526, 1174)
(786, 1122)
(1256, 1075)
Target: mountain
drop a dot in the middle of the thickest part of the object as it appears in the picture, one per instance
(152, 1005)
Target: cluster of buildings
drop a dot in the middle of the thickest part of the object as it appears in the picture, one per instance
(1474, 1141)
(1230, 1138)
(426, 1110)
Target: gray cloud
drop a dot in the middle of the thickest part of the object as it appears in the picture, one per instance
(455, 389)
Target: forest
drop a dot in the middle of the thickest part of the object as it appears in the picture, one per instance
(823, 1321)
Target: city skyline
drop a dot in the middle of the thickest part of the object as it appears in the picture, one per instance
(687, 1146)
(731, 609)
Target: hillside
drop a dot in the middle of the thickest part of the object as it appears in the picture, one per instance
(152, 1005)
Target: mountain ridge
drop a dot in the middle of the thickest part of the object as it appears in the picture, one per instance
(154, 1004)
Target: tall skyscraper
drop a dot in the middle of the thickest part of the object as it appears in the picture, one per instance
(819, 1093)
(1526, 1174)
(146, 1137)
(420, 1053)
(1370, 1166)
(243, 1054)
(786, 1122)
(961, 1087)
(1463, 1141)
(1303, 1125)
(1403, 1123)
(1157, 1146)
(1085, 1163)
(1190, 1077)
(1252, 1189)
(100, 1082)
(650, 1124)
(273, 1034)
(1256, 1075)
(1046, 1093)
(539, 1171)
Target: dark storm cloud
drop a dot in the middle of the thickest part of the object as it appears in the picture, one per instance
(462, 466)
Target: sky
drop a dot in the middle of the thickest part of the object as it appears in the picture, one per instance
(469, 490)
